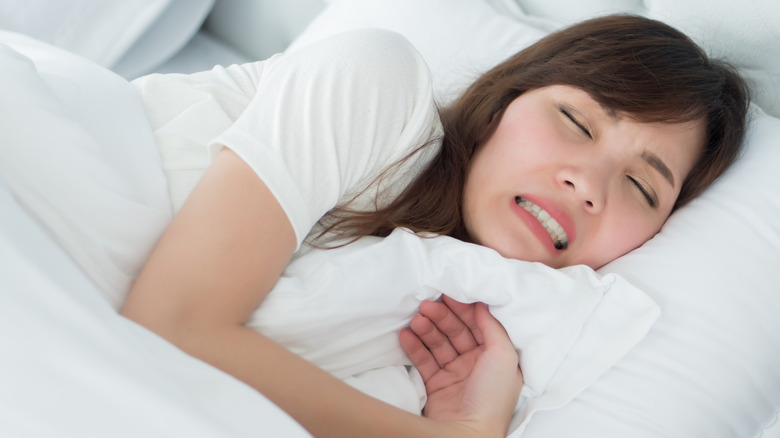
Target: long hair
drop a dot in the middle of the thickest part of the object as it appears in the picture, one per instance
(636, 66)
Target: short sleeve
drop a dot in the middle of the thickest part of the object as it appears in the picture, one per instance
(329, 118)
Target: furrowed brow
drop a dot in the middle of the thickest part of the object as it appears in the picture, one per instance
(658, 164)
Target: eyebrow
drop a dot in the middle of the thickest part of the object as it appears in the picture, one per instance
(658, 164)
(652, 159)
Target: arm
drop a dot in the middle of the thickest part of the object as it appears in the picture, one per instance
(219, 258)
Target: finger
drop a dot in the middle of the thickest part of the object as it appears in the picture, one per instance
(492, 330)
(421, 358)
(450, 325)
(433, 339)
(465, 312)
(497, 339)
(500, 346)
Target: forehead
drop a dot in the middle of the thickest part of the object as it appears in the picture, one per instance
(629, 106)
(674, 146)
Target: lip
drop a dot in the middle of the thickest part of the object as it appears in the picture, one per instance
(537, 229)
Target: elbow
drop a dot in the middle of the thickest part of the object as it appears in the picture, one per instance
(173, 323)
(164, 324)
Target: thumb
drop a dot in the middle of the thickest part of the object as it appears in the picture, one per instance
(504, 363)
(492, 330)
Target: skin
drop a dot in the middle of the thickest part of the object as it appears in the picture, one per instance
(585, 164)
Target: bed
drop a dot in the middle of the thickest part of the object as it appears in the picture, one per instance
(82, 201)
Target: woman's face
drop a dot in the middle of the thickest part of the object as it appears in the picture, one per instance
(564, 181)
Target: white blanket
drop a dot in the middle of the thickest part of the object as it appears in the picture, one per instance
(342, 309)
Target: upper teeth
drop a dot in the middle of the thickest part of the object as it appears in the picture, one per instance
(557, 233)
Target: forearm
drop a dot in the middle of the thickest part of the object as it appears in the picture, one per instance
(324, 405)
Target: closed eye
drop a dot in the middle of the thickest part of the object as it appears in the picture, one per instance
(576, 122)
(650, 197)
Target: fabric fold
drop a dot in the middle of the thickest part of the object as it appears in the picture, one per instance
(342, 309)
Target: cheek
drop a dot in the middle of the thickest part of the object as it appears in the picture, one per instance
(490, 166)
(631, 229)
(476, 184)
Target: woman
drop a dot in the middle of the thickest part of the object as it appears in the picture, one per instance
(576, 150)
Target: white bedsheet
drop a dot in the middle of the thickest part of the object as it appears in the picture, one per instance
(570, 325)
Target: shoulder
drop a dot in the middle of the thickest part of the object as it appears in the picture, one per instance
(375, 54)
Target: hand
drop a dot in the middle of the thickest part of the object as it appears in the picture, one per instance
(467, 362)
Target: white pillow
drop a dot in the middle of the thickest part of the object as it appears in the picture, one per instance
(711, 364)
(164, 37)
(747, 36)
(455, 58)
(568, 11)
(131, 37)
(710, 367)
(77, 151)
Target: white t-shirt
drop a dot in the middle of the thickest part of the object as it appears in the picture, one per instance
(318, 125)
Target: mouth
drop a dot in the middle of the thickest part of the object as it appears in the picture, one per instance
(557, 233)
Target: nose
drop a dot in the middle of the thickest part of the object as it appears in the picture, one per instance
(588, 188)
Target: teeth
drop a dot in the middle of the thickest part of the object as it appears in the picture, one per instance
(557, 233)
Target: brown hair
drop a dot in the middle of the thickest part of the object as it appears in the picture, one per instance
(636, 66)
